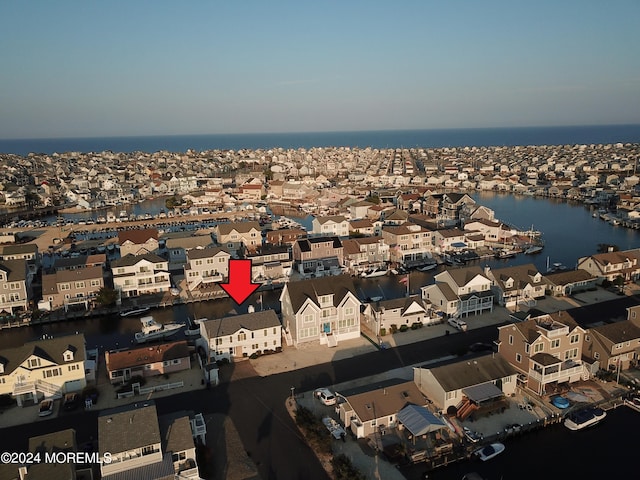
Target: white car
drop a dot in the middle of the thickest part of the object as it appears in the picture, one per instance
(325, 396)
(458, 324)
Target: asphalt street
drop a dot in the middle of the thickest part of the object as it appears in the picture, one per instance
(256, 404)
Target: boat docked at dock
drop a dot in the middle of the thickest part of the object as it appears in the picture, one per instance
(533, 249)
(489, 451)
(376, 272)
(152, 330)
(584, 418)
(132, 311)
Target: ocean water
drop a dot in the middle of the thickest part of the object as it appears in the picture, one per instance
(594, 134)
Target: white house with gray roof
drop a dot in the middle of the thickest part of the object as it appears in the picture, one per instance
(135, 275)
(324, 310)
(474, 380)
(398, 311)
(205, 266)
(15, 286)
(240, 336)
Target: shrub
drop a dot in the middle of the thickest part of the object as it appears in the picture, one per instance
(394, 328)
(416, 325)
(254, 355)
(343, 469)
(383, 332)
(314, 429)
(222, 361)
(403, 328)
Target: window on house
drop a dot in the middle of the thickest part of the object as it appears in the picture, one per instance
(555, 343)
(538, 347)
(518, 358)
(575, 338)
(596, 355)
(242, 336)
(510, 339)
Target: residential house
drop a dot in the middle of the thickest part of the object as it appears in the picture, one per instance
(135, 275)
(569, 282)
(25, 251)
(15, 286)
(460, 292)
(360, 209)
(252, 192)
(546, 350)
(138, 241)
(362, 253)
(176, 247)
(318, 256)
(362, 227)
(374, 408)
(143, 445)
(239, 336)
(205, 266)
(466, 386)
(452, 204)
(491, 229)
(409, 244)
(271, 263)
(285, 236)
(333, 226)
(381, 317)
(48, 367)
(612, 346)
(148, 361)
(611, 265)
(449, 240)
(68, 288)
(521, 284)
(239, 237)
(324, 310)
(83, 261)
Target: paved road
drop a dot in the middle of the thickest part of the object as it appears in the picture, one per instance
(257, 404)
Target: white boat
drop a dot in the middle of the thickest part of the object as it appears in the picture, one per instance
(489, 451)
(507, 253)
(152, 330)
(334, 428)
(128, 312)
(427, 267)
(376, 272)
(584, 418)
(533, 249)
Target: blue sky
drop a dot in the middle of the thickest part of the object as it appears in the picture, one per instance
(78, 68)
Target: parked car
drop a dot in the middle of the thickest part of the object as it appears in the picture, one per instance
(481, 347)
(325, 396)
(46, 408)
(71, 401)
(458, 324)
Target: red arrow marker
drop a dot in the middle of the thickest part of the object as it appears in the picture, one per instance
(239, 287)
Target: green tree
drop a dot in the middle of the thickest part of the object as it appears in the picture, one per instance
(106, 297)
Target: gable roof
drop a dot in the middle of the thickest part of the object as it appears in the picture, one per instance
(51, 349)
(618, 332)
(462, 276)
(521, 275)
(129, 260)
(460, 373)
(305, 243)
(338, 286)
(137, 236)
(219, 327)
(207, 252)
(382, 400)
(16, 270)
(240, 227)
(402, 303)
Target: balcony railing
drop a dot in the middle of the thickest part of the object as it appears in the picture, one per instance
(561, 375)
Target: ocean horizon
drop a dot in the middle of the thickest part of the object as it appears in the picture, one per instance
(431, 138)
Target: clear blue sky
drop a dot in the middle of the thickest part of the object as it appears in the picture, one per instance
(108, 68)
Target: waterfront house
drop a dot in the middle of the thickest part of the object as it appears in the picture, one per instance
(366, 252)
(271, 263)
(83, 261)
(516, 285)
(381, 317)
(135, 275)
(360, 209)
(47, 367)
(333, 226)
(147, 361)
(285, 236)
(362, 227)
(239, 336)
(177, 245)
(491, 229)
(409, 244)
(138, 241)
(449, 239)
(460, 292)
(153, 447)
(468, 386)
(374, 408)
(238, 237)
(612, 346)
(569, 282)
(252, 192)
(318, 256)
(205, 266)
(325, 310)
(15, 286)
(611, 265)
(546, 350)
(68, 288)
(452, 204)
